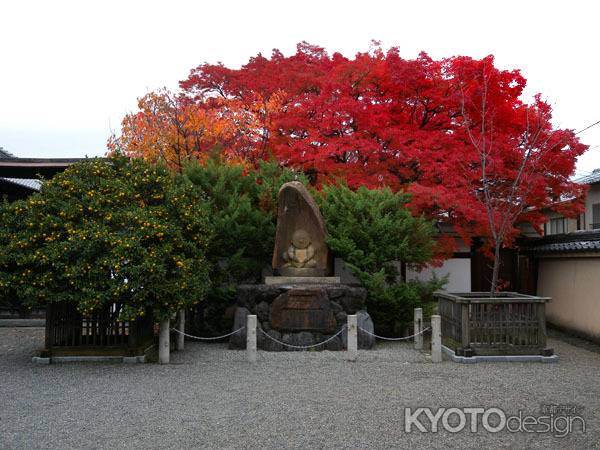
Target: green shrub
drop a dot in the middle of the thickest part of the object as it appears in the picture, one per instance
(373, 232)
(102, 232)
(391, 305)
(243, 212)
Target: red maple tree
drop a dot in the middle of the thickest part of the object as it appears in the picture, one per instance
(455, 132)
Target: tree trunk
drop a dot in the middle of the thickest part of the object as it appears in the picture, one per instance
(496, 269)
(181, 327)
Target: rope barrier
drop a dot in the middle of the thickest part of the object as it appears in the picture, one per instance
(303, 347)
(394, 339)
(214, 338)
(208, 338)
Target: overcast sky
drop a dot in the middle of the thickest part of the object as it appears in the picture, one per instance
(69, 71)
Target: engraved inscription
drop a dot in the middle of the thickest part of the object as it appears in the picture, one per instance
(298, 310)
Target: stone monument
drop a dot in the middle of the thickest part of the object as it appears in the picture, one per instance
(301, 254)
(302, 303)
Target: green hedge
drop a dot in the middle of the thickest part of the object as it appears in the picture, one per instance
(243, 212)
(373, 232)
(118, 231)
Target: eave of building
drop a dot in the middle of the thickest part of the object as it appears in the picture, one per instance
(34, 167)
(577, 243)
(593, 178)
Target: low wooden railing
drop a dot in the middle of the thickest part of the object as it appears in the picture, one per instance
(70, 332)
(509, 323)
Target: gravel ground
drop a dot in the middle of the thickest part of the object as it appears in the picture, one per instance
(211, 397)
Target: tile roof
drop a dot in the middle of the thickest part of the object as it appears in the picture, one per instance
(5, 154)
(28, 183)
(576, 242)
(592, 178)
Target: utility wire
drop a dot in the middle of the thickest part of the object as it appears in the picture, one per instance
(588, 127)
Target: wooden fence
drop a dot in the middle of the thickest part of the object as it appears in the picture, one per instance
(68, 332)
(509, 323)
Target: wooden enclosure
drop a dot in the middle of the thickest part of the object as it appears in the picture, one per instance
(509, 323)
(69, 333)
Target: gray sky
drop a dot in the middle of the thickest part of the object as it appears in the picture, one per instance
(69, 71)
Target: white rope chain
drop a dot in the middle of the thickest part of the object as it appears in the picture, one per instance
(214, 338)
(394, 339)
(304, 347)
(208, 338)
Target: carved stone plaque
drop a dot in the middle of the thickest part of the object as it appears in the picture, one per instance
(303, 310)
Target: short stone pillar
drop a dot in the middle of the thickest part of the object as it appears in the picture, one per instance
(164, 342)
(181, 328)
(436, 339)
(251, 338)
(352, 338)
(418, 328)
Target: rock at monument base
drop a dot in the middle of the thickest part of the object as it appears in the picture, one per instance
(335, 344)
(250, 295)
(301, 339)
(264, 343)
(262, 311)
(354, 300)
(341, 317)
(319, 305)
(336, 307)
(238, 340)
(364, 321)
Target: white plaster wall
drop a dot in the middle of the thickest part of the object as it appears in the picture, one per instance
(457, 269)
(593, 196)
(574, 285)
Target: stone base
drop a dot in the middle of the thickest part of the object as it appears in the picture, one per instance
(484, 358)
(302, 280)
(300, 315)
(67, 359)
(301, 272)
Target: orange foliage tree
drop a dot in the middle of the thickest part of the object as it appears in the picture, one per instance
(172, 129)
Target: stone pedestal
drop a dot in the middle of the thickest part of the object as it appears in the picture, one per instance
(299, 314)
(302, 280)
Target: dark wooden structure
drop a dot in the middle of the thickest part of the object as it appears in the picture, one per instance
(474, 323)
(518, 269)
(69, 333)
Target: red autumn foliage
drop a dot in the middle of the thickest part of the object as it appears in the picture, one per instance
(378, 119)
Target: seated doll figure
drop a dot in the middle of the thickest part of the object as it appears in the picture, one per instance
(300, 254)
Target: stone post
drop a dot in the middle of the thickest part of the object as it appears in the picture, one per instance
(163, 342)
(352, 338)
(418, 328)
(181, 327)
(436, 339)
(251, 338)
